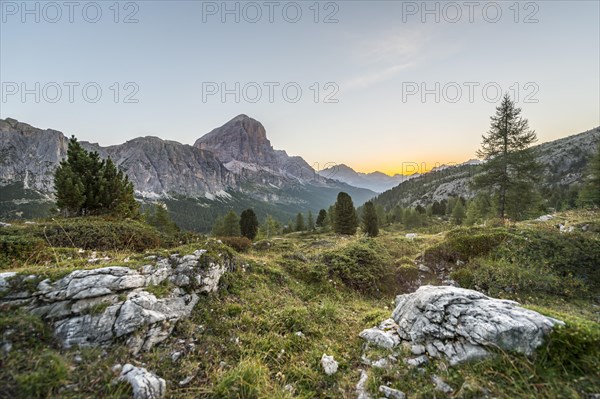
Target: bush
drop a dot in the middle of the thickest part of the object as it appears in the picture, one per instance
(364, 266)
(498, 277)
(567, 255)
(98, 234)
(240, 244)
(468, 243)
(16, 246)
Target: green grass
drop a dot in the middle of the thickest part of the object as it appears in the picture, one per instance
(243, 341)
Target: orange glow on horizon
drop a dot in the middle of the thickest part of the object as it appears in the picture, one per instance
(405, 168)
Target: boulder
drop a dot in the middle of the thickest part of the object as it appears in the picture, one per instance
(145, 385)
(461, 324)
(329, 365)
(381, 338)
(391, 393)
(95, 307)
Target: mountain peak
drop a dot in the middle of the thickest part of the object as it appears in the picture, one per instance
(242, 138)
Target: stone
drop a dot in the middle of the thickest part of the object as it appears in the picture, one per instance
(5, 280)
(417, 361)
(424, 269)
(329, 365)
(378, 337)
(417, 349)
(440, 385)
(95, 307)
(391, 393)
(459, 324)
(186, 381)
(545, 218)
(145, 385)
(361, 386)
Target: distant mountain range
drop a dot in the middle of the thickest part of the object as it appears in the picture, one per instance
(375, 181)
(232, 167)
(563, 162)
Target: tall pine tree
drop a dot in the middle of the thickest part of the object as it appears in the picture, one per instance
(310, 222)
(249, 224)
(370, 222)
(345, 220)
(510, 169)
(322, 218)
(300, 222)
(86, 185)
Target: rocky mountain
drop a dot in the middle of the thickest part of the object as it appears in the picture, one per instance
(242, 145)
(375, 181)
(232, 167)
(563, 162)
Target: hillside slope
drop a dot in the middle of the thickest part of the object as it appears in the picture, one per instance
(563, 162)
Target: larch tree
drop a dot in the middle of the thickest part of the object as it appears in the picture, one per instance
(511, 169)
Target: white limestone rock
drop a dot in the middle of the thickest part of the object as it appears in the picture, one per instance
(329, 365)
(460, 324)
(145, 385)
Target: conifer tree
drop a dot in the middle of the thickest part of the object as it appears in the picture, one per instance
(510, 168)
(159, 218)
(86, 185)
(458, 213)
(370, 222)
(269, 228)
(300, 222)
(345, 220)
(478, 209)
(590, 194)
(322, 218)
(227, 226)
(310, 223)
(249, 224)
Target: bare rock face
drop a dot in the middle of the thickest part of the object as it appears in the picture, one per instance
(460, 325)
(242, 145)
(156, 167)
(29, 155)
(95, 307)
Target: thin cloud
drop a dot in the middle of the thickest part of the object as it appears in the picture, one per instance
(385, 55)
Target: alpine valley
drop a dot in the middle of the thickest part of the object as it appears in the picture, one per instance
(232, 167)
(235, 167)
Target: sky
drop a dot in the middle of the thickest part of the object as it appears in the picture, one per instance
(376, 85)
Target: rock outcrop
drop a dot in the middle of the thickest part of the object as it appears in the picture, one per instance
(95, 307)
(462, 325)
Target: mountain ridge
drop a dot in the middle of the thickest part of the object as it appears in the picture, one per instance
(185, 176)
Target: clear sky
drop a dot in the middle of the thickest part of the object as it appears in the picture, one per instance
(374, 57)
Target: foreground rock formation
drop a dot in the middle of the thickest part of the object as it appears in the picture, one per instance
(459, 325)
(96, 307)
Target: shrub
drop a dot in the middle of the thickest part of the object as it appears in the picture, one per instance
(16, 245)
(309, 272)
(468, 243)
(497, 277)
(567, 255)
(240, 244)
(364, 266)
(98, 234)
